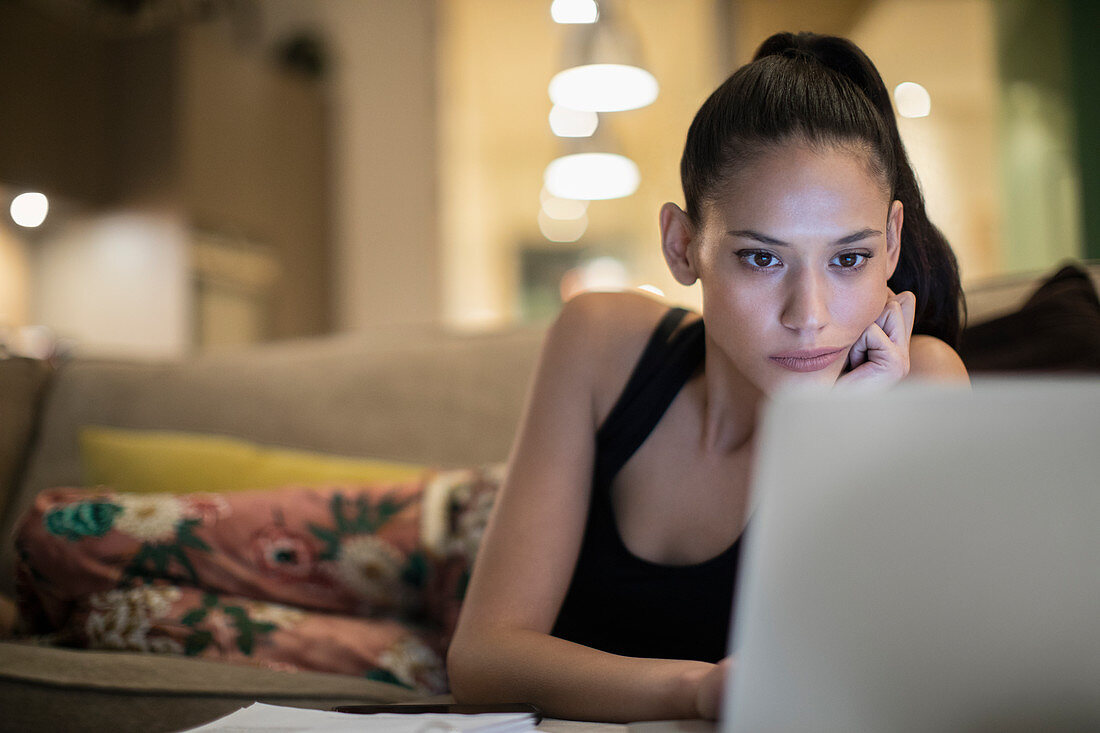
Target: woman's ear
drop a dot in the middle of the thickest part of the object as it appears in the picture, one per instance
(893, 237)
(676, 235)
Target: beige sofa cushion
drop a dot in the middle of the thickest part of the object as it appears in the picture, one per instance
(43, 688)
(21, 384)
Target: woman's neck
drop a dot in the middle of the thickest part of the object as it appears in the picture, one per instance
(730, 405)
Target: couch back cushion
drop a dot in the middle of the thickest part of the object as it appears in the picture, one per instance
(1005, 294)
(22, 382)
(435, 398)
(1056, 330)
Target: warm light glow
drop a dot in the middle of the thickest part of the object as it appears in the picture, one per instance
(592, 176)
(603, 87)
(567, 122)
(558, 208)
(574, 11)
(912, 99)
(652, 289)
(603, 274)
(29, 209)
(562, 230)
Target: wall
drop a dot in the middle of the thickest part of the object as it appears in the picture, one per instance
(495, 62)
(1084, 19)
(948, 47)
(1040, 177)
(253, 164)
(166, 135)
(54, 127)
(116, 284)
(14, 279)
(387, 243)
(383, 129)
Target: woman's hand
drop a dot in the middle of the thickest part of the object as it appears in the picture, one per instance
(709, 693)
(880, 356)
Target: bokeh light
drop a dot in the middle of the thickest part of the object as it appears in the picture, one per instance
(912, 99)
(29, 209)
(603, 87)
(574, 11)
(592, 176)
(565, 122)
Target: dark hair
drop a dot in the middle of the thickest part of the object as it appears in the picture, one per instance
(823, 90)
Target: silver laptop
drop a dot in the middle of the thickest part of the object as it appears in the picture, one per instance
(926, 559)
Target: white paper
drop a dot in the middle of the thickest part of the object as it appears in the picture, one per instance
(281, 719)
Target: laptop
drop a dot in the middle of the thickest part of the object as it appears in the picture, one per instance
(925, 559)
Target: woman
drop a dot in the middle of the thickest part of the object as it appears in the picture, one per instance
(603, 586)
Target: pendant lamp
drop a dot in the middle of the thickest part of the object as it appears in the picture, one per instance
(604, 71)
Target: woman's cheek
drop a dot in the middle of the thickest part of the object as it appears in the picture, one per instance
(862, 309)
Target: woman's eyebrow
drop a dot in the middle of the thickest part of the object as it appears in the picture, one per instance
(765, 239)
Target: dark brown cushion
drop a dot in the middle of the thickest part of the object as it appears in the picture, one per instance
(22, 383)
(1056, 330)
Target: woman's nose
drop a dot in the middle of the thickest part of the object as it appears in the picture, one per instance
(805, 307)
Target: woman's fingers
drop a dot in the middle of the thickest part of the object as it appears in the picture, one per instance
(881, 354)
(858, 353)
(892, 322)
(908, 308)
(897, 317)
(877, 341)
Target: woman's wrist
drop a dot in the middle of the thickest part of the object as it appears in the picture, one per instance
(689, 680)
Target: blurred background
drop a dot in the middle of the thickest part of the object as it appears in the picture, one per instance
(208, 173)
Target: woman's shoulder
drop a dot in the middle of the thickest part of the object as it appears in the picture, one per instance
(608, 332)
(932, 358)
(610, 323)
(631, 310)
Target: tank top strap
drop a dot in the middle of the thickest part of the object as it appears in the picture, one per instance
(666, 363)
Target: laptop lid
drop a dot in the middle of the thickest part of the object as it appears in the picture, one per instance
(926, 559)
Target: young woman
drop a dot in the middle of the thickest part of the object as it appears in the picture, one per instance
(603, 586)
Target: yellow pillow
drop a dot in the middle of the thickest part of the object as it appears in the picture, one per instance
(155, 460)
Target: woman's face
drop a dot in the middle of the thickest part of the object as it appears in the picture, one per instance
(793, 261)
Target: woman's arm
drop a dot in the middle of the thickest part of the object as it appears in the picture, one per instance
(502, 649)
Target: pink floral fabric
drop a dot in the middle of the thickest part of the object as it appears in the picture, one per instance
(458, 506)
(325, 579)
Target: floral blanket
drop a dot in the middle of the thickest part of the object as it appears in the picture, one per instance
(363, 580)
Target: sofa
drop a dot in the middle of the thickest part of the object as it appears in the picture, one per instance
(439, 401)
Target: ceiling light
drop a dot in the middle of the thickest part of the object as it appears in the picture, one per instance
(592, 176)
(567, 122)
(559, 230)
(604, 69)
(29, 209)
(559, 208)
(574, 11)
(603, 87)
(912, 99)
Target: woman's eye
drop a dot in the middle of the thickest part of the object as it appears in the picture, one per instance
(850, 260)
(759, 260)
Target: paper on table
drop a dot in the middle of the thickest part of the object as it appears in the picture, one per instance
(281, 719)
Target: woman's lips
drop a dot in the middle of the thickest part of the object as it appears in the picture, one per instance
(807, 361)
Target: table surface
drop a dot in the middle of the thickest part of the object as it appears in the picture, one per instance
(552, 725)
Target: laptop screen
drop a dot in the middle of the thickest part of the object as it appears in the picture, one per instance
(923, 559)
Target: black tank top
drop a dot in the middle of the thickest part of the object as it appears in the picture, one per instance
(618, 602)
